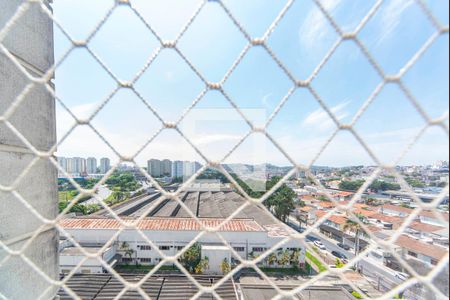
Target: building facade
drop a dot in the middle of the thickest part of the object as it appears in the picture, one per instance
(105, 165)
(167, 168)
(155, 168)
(170, 235)
(91, 165)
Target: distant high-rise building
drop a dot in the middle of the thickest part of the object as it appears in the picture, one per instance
(78, 165)
(167, 167)
(91, 165)
(105, 165)
(197, 166)
(155, 168)
(177, 169)
(62, 161)
(188, 169)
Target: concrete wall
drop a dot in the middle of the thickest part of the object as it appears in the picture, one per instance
(31, 42)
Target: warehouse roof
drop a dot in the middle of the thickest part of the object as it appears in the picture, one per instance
(106, 286)
(163, 224)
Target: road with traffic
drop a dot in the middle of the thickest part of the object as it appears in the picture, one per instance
(365, 263)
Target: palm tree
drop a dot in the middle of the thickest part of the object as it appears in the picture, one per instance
(225, 266)
(295, 257)
(127, 250)
(353, 226)
(285, 258)
(272, 259)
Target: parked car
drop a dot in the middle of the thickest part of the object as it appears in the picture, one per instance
(345, 247)
(402, 276)
(339, 255)
(319, 245)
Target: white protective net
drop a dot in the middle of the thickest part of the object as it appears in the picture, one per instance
(388, 291)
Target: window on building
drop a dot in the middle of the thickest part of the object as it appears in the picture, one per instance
(179, 248)
(146, 260)
(164, 248)
(413, 254)
(239, 249)
(259, 249)
(126, 259)
(144, 247)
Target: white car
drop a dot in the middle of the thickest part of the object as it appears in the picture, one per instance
(402, 276)
(319, 245)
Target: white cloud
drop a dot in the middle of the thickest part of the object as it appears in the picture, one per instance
(215, 138)
(391, 17)
(321, 121)
(316, 26)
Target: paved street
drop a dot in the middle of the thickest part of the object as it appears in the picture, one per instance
(103, 192)
(376, 269)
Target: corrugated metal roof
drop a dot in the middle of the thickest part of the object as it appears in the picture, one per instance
(164, 224)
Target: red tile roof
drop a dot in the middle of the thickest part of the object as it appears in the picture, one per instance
(320, 213)
(364, 212)
(433, 251)
(340, 220)
(165, 224)
(422, 227)
(307, 197)
(396, 208)
(387, 219)
(431, 215)
(326, 204)
(306, 208)
(344, 194)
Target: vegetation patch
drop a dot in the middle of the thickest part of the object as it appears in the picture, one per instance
(316, 262)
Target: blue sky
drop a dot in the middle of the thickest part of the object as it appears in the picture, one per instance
(257, 85)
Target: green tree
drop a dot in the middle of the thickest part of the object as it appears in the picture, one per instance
(125, 247)
(191, 258)
(272, 259)
(339, 263)
(351, 185)
(295, 257)
(225, 266)
(202, 265)
(284, 258)
(281, 203)
(353, 226)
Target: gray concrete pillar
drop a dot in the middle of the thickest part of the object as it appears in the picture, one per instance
(30, 41)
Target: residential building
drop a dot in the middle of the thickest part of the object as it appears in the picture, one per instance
(91, 165)
(394, 210)
(388, 222)
(427, 253)
(428, 217)
(105, 165)
(78, 165)
(155, 168)
(188, 169)
(429, 233)
(63, 163)
(337, 222)
(167, 167)
(177, 169)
